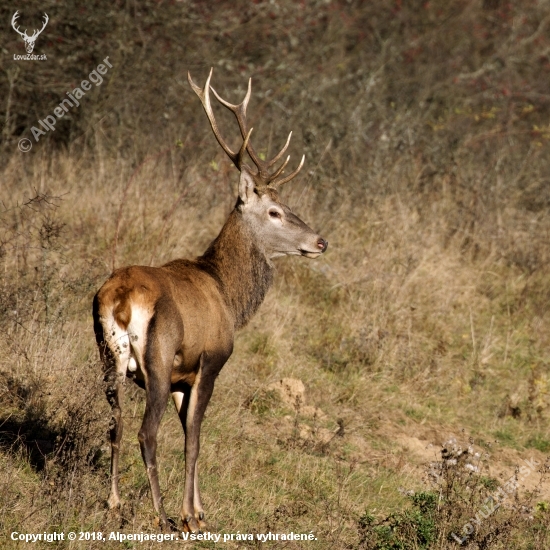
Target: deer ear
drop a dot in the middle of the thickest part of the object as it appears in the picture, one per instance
(246, 186)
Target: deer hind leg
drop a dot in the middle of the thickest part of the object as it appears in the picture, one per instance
(114, 349)
(115, 393)
(181, 401)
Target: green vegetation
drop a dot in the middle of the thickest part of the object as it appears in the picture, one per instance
(413, 528)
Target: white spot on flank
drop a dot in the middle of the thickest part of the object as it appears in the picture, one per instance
(137, 332)
(128, 345)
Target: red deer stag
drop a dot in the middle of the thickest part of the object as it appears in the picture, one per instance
(171, 328)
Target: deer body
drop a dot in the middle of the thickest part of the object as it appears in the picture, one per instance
(171, 328)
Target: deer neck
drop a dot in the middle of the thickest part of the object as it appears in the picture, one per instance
(240, 266)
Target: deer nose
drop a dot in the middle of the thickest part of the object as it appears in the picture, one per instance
(322, 244)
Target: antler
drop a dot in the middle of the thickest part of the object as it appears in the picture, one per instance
(24, 34)
(204, 96)
(46, 19)
(240, 114)
(16, 29)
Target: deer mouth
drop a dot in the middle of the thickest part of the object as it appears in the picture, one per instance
(309, 253)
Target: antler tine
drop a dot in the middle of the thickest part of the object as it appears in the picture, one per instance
(281, 168)
(280, 153)
(240, 114)
(241, 108)
(290, 176)
(204, 96)
(245, 144)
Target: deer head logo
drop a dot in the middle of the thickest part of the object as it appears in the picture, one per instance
(29, 40)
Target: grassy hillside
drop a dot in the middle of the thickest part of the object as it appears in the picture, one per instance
(427, 138)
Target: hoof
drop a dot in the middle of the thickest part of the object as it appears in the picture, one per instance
(202, 522)
(113, 503)
(163, 524)
(191, 525)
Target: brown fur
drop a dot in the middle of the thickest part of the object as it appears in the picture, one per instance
(242, 270)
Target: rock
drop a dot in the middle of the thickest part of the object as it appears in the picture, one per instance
(292, 392)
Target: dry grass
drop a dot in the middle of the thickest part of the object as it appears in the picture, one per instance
(426, 134)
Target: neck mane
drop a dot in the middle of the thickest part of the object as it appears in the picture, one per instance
(240, 267)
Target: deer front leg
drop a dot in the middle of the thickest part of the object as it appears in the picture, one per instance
(181, 401)
(192, 513)
(197, 503)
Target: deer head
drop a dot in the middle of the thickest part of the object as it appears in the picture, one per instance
(29, 40)
(275, 228)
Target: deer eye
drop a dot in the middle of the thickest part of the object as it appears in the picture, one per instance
(274, 214)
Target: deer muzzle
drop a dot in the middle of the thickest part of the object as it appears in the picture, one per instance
(321, 245)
